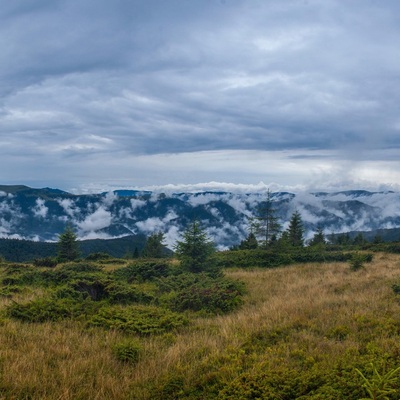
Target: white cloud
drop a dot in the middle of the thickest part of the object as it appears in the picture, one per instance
(137, 203)
(109, 199)
(99, 219)
(69, 207)
(40, 210)
(155, 224)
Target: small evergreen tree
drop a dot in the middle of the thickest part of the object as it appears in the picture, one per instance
(265, 224)
(318, 238)
(68, 247)
(283, 243)
(377, 239)
(359, 240)
(154, 247)
(136, 253)
(296, 230)
(343, 239)
(249, 243)
(196, 250)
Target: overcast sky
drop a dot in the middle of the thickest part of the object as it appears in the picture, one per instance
(139, 93)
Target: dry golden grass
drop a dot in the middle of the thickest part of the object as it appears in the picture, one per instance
(310, 303)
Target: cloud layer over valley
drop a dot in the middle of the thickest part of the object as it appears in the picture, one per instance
(43, 214)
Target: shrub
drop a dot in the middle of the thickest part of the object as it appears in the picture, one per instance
(48, 309)
(142, 320)
(120, 293)
(94, 289)
(27, 275)
(143, 271)
(127, 351)
(98, 289)
(80, 267)
(396, 288)
(22, 275)
(73, 271)
(98, 256)
(277, 383)
(339, 333)
(200, 292)
(358, 260)
(260, 258)
(48, 262)
(215, 299)
(17, 268)
(378, 386)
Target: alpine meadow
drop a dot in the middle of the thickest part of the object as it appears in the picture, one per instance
(276, 316)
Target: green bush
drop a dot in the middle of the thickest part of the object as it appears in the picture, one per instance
(127, 351)
(338, 333)
(48, 262)
(217, 299)
(28, 275)
(380, 385)
(49, 309)
(140, 319)
(143, 271)
(358, 260)
(72, 271)
(98, 256)
(277, 383)
(121, 293)
(22, 275)
(396, 288)
(252, 258)
(260, 258)
(200, 292)
(103, 289)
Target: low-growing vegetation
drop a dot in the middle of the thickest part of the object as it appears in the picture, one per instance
(327, 326)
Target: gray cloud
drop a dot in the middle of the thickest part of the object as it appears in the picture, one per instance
(120, 92)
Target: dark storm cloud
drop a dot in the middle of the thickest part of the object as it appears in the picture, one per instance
(99, 80)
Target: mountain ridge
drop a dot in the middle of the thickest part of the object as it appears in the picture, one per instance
(41, 214)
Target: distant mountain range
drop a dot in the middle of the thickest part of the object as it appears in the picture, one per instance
(42, 214)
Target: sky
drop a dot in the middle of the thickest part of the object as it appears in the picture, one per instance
(295, 94)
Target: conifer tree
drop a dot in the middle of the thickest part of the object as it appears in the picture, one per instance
(68, 248)
(196, 250)
(296, 230)
(359, 240)
(377, 239)
(249, 243)
(343, 239)
(154, 247)
(318, 238)
(266, 224)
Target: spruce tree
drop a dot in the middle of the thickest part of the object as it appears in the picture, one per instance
(266, 224)
(68, 248)
(154, 247)
(249, 243)
(318, 238)
(296, 230)
(196, 250)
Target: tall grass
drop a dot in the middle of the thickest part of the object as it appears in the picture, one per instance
(310, 317)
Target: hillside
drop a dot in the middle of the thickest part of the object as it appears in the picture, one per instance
(42, 214)
(19, 250)
(302, 332)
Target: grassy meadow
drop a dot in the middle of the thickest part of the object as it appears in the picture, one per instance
(302, 332)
